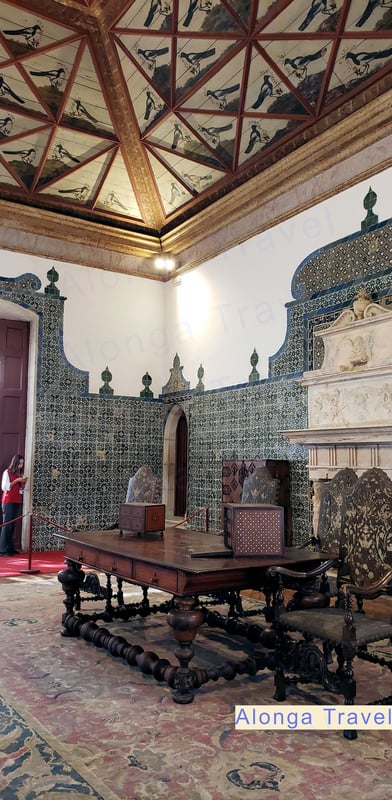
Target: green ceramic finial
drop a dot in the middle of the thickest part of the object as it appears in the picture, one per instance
(368, 204)
(52, 277)
(106, 376)
(254, 375)
(146, 381)
(200, 375)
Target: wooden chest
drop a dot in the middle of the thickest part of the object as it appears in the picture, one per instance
(254, 530)
(142, 517)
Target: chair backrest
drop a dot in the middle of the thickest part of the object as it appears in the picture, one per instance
(331, 498)
(260, 487)
(367, 528)
(144, 486)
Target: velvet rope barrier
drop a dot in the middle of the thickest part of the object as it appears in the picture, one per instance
(195, 514)
(16, 519)
(29, 569)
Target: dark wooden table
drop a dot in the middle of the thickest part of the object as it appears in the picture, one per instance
(167, 563)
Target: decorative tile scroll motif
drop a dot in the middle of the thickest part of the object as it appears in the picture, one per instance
(344, 261)
(366, 258)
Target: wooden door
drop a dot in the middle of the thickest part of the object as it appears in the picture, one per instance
(180, 494)
(14, 348)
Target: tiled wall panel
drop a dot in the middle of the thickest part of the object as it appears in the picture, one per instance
(87, 446)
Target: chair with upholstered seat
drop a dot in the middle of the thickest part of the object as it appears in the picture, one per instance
(328, 538)
(143, 486)
(332, 495)
(260, 487)
(366, 571)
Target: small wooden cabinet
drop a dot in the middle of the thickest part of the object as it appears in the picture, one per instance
(142, 517)
(234, 471)
(254, 530)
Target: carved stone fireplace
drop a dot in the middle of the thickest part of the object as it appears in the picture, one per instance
(350, 396)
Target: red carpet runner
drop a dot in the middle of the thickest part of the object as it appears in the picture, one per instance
(49, 561)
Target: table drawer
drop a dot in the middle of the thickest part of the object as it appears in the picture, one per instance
(107, 562)
(133, 524)
(115, 565)
(159, 577)
(82, 554)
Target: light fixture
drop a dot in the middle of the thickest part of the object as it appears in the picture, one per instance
(164, 262)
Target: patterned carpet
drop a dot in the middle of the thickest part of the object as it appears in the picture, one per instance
(77, 723)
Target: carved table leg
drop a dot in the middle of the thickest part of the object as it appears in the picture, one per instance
(108, 613)
(71, 579)
(145, 601)
(185, 620)
(120, 593)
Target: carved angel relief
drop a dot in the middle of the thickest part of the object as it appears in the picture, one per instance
(360, 352)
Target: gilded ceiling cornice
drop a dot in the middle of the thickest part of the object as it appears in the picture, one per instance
(91, 234)
(245, 212)
(348, 138)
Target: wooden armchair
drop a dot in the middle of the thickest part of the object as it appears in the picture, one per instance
(260, 487)
(144, 486)
(366, 572)
(317, 588)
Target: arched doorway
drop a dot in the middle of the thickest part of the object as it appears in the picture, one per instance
(181, 477)
(13, 311)
(175, 463)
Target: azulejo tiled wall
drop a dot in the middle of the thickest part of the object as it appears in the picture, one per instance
(87, 446)
(86, 450)
(248, 420)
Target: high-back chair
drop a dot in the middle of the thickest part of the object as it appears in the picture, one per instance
(143, 486)
(366, 572)
(332, 496)
(260, 487)
(317, 590)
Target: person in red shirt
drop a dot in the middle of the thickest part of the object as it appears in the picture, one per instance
(12, 484)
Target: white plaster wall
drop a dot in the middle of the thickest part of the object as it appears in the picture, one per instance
(215, 315)
(218, 313)
(110, 320)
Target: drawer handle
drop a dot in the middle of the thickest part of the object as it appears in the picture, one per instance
(80, 557)
(155, 579)
(114, 568)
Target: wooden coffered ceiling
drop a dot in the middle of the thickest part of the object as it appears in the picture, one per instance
(141, 127)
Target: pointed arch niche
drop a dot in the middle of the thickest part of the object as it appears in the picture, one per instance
(175, 419)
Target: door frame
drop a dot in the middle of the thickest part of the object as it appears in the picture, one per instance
(11, 310)
(169, 458)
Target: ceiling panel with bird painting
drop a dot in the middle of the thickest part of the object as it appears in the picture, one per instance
(138, 114)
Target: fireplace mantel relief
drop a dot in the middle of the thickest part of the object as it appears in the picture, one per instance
(350, 396)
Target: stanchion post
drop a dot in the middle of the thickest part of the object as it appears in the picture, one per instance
(30, 550)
